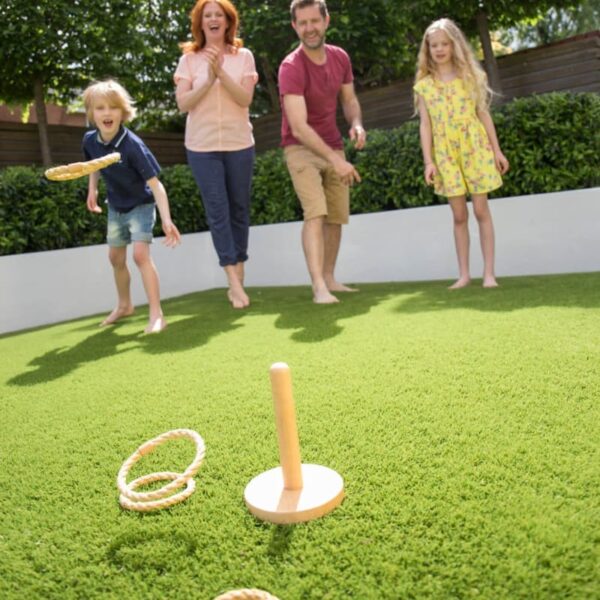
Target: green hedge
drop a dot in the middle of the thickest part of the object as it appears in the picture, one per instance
(552, 142)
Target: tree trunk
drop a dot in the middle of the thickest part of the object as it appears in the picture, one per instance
(491, 65)
(271, 84)
(42, 119)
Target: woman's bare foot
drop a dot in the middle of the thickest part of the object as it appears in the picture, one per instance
(156, 325)
(323, 296)
(336, 286)
(238, 298)
(118, 313)
(490, 282)
(460, 283)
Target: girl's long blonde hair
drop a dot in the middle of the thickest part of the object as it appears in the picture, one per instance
(463, 58)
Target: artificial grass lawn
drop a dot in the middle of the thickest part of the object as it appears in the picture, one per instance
(465, 425)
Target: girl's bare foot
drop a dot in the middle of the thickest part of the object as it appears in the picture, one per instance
(156, 325)
(238, 298)
(118, 313)
(490, 282)
(460, 283)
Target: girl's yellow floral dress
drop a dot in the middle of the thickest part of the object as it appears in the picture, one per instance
(461, 148)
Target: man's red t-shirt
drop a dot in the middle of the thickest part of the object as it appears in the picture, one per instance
(320, 85)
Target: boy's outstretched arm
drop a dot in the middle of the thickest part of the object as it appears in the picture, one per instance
(171, 232)
(92, 197)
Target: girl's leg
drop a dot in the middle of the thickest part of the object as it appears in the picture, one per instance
(486, 235)
(144, 262)
(460, 214)
(118, 259)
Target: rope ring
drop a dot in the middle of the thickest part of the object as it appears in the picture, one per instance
(156, 504)
(246, 594)
(145, 501)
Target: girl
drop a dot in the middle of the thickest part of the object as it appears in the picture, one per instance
(458, 138)
(215, 82)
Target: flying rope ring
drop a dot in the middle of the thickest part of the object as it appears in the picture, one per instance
(163, 497)
(246, 595)
(81, 169)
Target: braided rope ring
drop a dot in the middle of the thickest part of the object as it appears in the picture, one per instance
(146, 501)
(246, 595)
(80, 169)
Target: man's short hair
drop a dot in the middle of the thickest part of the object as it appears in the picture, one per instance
(304, 3)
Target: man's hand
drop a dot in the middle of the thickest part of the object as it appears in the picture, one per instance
(359, 136)
(346, 171)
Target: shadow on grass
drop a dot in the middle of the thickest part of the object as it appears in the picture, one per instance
(197, 318)
(281, 539)
(151, 551)
(514, 293)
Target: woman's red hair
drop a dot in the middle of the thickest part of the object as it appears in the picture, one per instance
(199, 42)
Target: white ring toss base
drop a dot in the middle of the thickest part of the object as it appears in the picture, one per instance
(165, 496)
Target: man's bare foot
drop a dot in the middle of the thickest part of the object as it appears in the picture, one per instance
(156, 325)
(490, 282)
(336, 286)
(238, 298)
(117, 314)
(324, 297)
(460, 283)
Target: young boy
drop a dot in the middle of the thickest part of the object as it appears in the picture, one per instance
(132, 189)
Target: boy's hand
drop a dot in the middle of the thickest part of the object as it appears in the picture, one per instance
(92, 204)
(172, 235)
(430, 173)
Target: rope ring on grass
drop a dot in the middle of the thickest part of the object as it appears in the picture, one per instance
(146, 501)
(246, 595)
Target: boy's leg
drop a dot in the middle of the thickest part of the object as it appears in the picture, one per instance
(481, 208)
(144, 262)
(118, 259)
(460, 215)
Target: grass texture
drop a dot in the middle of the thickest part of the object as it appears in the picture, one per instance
(465, 425)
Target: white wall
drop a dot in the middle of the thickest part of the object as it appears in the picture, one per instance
(546, 233)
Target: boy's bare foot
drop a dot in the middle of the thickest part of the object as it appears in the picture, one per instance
(238, 298)
(336, 286)
(117, 314)
(460, 283)
(156, 326)
(324, 297)
(490, 282)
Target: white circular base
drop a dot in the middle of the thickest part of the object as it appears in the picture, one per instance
(267, 499)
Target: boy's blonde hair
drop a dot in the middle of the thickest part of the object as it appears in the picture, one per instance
(463, 58)
(113, 93)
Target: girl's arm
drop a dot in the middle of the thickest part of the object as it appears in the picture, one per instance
(243, 93)
(501, 160)
(92, 197)
(160, 196)
(426, 141)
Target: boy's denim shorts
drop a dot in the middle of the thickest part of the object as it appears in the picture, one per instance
(133, 226)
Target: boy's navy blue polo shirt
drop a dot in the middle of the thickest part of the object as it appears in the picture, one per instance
(126, 180)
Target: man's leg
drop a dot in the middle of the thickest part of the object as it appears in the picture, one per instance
(313, 243)
(333, 236)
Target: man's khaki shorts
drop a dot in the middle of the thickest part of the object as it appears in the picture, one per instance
(320, 191)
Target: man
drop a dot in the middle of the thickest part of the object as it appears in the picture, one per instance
(311, 79)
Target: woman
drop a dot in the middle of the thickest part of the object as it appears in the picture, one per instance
(215, 82)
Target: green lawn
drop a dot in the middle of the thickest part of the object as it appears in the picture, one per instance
(465, 425)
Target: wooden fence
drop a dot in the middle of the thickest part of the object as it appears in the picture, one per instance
(569, 65)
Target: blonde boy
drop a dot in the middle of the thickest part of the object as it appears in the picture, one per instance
(133, 192)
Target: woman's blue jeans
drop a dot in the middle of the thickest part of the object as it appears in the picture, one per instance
(225, 183)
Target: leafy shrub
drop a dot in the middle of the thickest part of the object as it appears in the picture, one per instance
(552, 142)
